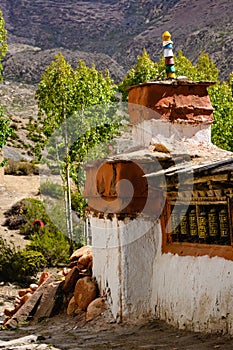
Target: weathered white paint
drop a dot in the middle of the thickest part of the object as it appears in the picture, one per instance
(123, 254)
(106, 238)
(161, 130)
(137, 266)
(194, 293)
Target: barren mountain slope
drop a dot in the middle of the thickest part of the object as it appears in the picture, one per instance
(195, 26)
(26, 63)
(80, 25)
(122, 28)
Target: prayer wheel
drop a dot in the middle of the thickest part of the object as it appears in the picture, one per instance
(223, 222)
(193, 229)
(202, 225)
(213, 223)
(184, 225)
(175, 220)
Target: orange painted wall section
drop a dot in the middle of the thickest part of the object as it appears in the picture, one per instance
(182, 103)
(120, 187)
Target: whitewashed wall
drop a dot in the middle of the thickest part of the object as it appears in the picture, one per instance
(107, 260)
(161, 130)
(194, 293)
(123, 256)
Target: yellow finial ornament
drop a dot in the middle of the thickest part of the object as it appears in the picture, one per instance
(168, 55)
(166, 36)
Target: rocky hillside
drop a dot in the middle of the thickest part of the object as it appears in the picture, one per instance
(25, 63)
(90, 25)
(18, 100)
(119, 29)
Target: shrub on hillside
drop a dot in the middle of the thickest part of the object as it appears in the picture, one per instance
(28, 263)
(19, 266)
(47, 240)
(14, 167)
(53, 245)
(34, 210)
(51, 189)
(23, 214)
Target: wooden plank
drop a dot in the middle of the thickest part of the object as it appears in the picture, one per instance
(49, 300)
(29, 308)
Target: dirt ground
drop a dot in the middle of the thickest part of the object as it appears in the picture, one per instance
(68, 332)
(12, 190)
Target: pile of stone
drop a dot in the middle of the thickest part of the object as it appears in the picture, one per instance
(80, 288)
(73, 291)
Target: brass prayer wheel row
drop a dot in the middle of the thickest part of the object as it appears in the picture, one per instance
(209, 224)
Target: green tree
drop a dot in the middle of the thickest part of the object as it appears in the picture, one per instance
(184, 66)
(71, 101)
(144, 70)
(5, 130)
(222, 102)
(220, 96)
(3, 41)
(204, 70)
(230, 81)
(64, 92)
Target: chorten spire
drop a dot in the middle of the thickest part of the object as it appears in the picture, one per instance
(168, 55)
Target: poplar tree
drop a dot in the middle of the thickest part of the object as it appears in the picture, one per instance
(5, 130)
(3, 41)
(143, 70)
(74, 116)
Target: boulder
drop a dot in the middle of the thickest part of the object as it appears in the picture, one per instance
(44, 276)
(72, 307)
(22, 292)
(85, 262)
(18, 304)
(71, 280)
(33, 287)
(80, 252)
(85, 292)
(95, 308)
(25, 298)
(64, 272)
